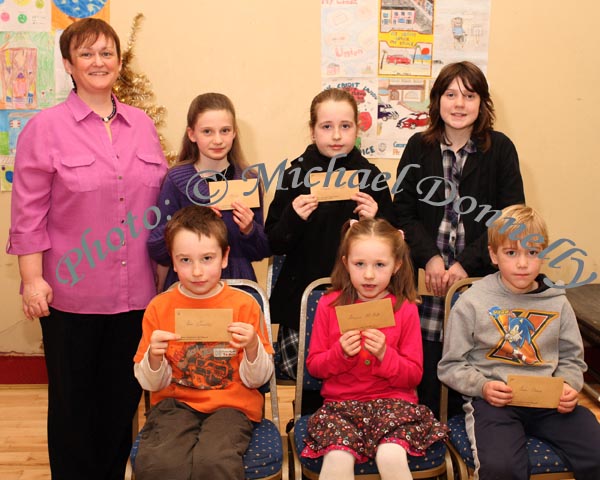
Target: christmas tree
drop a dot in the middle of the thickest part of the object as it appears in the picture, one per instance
(135, 89)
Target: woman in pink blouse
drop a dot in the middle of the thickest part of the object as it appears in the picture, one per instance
(87, 176)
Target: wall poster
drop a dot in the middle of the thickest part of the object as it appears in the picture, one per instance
(387, 53)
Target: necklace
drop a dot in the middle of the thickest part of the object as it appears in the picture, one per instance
(113, 113)
(211, 175)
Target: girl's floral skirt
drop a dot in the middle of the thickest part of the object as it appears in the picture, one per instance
(358, 427)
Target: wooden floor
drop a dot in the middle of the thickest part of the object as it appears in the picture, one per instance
(23, 454)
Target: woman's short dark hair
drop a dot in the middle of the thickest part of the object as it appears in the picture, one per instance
(86, 31)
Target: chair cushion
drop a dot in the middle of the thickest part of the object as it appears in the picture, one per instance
(541, 456)
(433, 458)
(263, 458)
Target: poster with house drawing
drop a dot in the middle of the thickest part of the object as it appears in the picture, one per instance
(402, 111)
(409, 41)
(349, 38)
(26, 70)
(405, 38)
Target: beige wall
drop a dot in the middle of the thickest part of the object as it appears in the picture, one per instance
(265, 54)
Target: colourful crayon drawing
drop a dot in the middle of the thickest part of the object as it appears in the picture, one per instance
(25, 15)
(7, 171)
(26, 70)
(12, 123)
(405, 38)
(80, 9)
(19, 67)
(61, 20)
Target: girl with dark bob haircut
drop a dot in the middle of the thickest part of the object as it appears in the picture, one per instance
(446, 231)
(474, 81)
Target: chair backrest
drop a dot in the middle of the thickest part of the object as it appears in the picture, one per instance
(451, 297)
(308, 307)
(273, 269)
(259, 294)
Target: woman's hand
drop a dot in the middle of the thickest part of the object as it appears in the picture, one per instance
(243, 217)
(304, 205)
(37, 295)
(159, 343)
(366, 206)
(497, 393)
(350, 342)
(375, 342)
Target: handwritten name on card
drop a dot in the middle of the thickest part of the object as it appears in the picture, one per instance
(235, 191)
(203, 324)
(333, 192)
(535, 392)
(360, 316)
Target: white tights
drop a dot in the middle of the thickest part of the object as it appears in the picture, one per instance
(337, 465)
(390, 458)
(392, 462)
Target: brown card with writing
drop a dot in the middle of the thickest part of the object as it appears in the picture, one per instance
(360, 316)
(535, 392)
(331, 192)
(203, 324)
(236, 191)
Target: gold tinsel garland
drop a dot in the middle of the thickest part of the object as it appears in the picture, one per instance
(135, 89)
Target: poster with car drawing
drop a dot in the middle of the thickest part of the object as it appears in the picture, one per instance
(388, 53)
(405, 38)
(401, 111)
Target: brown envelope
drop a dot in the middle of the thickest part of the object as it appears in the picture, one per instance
(360, 316)
(236, 191)
(203, 324)
(421, 288)
(535, 392)
(331, 192)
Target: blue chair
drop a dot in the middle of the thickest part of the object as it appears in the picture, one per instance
(437, 462)
(264, 457)
(545, 463)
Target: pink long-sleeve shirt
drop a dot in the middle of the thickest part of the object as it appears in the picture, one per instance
(88, 203)
(363, 377)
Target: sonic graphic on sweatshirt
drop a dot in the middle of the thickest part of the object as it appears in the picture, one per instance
(518, 331)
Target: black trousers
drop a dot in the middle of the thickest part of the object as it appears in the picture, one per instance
(501, 436)
(92, 392)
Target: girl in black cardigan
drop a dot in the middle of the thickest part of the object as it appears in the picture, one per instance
(307, 231)
(460, 171)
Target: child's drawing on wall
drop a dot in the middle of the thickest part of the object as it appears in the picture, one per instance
(18, 67)
(458, 32)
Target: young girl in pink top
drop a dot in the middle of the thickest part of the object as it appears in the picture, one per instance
(369, 376)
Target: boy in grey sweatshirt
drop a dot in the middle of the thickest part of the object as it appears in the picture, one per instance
(511, 322)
